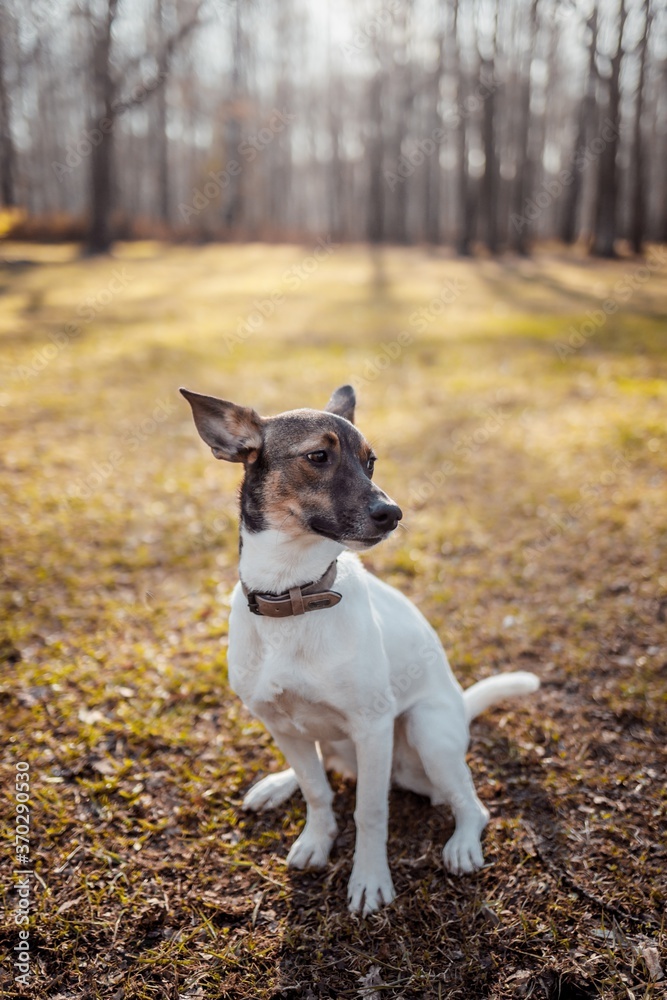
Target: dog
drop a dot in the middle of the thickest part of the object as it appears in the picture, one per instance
(342, 669)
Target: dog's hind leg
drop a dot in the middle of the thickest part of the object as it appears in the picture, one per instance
(440, 737)
(271, 791)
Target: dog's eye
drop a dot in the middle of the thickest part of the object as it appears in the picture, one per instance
(317, 457)
(370, 465)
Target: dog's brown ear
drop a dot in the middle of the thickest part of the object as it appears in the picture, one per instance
(343, 402)
(232, 432)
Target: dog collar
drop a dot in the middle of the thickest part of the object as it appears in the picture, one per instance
(297, 600)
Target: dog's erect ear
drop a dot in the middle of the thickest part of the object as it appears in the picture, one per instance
(232, 432)
(342, 403)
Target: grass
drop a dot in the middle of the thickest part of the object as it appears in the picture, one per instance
(532, 477)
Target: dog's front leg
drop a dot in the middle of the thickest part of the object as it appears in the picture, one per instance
(370, 883)
(312, 848)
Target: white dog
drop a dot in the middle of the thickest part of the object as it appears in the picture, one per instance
(351, 678)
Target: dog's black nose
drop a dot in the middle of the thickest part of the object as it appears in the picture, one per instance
(385, 515)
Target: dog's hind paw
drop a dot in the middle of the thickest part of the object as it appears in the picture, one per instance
(271, 791)
(463, 853)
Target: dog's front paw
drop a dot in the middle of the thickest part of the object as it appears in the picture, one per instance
(463, 852)
(271, 791)
(368, 891)
(311, 849)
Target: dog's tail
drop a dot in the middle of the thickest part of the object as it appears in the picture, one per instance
(492, 689)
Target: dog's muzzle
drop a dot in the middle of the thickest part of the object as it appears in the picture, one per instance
(314, 596)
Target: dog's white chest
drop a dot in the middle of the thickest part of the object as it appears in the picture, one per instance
(285, 678)
(294, 715)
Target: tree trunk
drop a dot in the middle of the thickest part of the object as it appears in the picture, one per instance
(606, 211)
(161, 125)
(335, 186)
(7, 151)
(101, 156)
(400, 99)
(522, 181)
(569, 228)
(399, 232)
(489, 187)
(233, 208)
(639, 178)
(375, 218)
(432, 178)
(466, 221)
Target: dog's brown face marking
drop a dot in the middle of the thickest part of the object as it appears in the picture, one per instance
(312, 472)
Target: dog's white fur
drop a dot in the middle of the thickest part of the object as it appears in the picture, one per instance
(364, 688)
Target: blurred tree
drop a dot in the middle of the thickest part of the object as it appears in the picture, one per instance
(522, 177)
(7, 154)
(162, 144)
(108, 103)
(606, 210)
(375, 224)
(102, 124)
(639, 166)
(389, 120)
(487, 45)
(465, 225)
(235, 110)
(569, 228)
(431, 204)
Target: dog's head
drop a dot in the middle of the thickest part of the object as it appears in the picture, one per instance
(306, 471)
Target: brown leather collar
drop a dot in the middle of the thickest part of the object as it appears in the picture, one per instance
(297, 600)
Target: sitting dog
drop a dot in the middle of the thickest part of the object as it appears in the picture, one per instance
(342, 669)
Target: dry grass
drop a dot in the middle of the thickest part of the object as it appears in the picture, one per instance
(535, 495)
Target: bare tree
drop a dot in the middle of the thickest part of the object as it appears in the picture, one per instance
(639, 166)
(487, 47)
(164, 200)
(606, 212)
(103, 114)
(375, 220)
(107, 105)
(522, 179)
(233, 207)
(443, 120)
(568, 227)
(7, 152)
(465, 214)
(433, 171)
